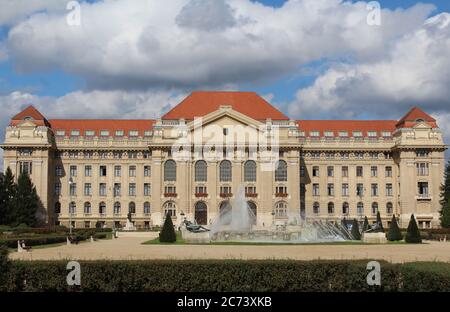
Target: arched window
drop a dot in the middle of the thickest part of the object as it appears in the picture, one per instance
(224, 206)
(389, 208)
(132, 207)
(72, 208)
(170, 208)
(281, 171)
(201, 213)
(117, 208)
(374, 208)
(345, 208)
(87, 208)
(316, 208)
(360, 208)
(250, 171)
(281, 210)
(102, 208)
(225, 171)
(330, 208)
(201, 171)
(146, 208)
(254, 211)
(170, 171)
(57, 207)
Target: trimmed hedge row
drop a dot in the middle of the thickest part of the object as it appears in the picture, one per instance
(221, 276)
(46, 240)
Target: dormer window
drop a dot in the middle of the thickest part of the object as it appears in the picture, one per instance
(75, 133)
(148, 133)
(343, 134)
(386, 134)
(329, 134)
(133, 133)
(60, 133)
(120, 133)
(372, 134)
(104, 133)
(357, 134)
(314, 134)
(89, 133)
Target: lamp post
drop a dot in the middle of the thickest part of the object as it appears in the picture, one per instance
(70, 206)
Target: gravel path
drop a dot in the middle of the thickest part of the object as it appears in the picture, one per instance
(130, 248)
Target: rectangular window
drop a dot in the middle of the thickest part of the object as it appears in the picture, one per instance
(359, 171)
(117, 171)
(87, 189)
(389, 172)
(422, 169)
(60, 133)
(314, 134)
(102, 189)
(200, 190)
(389, 190)
(103, 171)
(88, 155)
(372, 134)
(148, 133)
(250, 190)
(26, 167)
(147, 189)
(73, 189)
(132, 155)
(423, 189)
(386, 134)
(315, 171)
(329, 134)
(120, 133)
(374, 189)
(329, 155)
(88, 171)
(359, 189)
(104, 133)
(422, 153)
(59, 171)
(345, 155)
(75, 133)
(57, 189)
(281, 190)
(147, 171)
(330, 189)
(171, 190)
(316, 190)
(359, 155)
(132, 189)
(345, 172)
(343, 134)
(315, 155)
(132, 171)
(89, 133)
(330, 171)
(225, 190)
(345, 191)
(103, 155)
(357, 134)
(302, 171)
(117, 189)
(73, 171)
(117, 155)
(133, 133)
(374, 171)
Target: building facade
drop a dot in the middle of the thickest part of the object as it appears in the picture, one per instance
(192, 162)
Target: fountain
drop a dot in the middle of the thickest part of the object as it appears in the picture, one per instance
(237, 223)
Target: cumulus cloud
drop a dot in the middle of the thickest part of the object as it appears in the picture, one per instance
(95, 104)
(414, 71)
(140, 44)
(15, 10)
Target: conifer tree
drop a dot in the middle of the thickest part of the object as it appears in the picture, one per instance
(167, 234)
(366, 224)
(7, 198)
(445, 199)
(413, 233)
(380, 223)
(27, 202)
(394, 233)
(355, 230)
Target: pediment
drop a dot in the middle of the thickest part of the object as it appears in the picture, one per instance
(27, 124)
(225, 117)
(422, 125)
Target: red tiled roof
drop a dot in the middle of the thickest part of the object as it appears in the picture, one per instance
(410, 119)
(98, 125)
(29, 112)
(346, 125)
(201, 103)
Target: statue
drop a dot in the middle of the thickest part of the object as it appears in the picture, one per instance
(191, 227)
(129, 217)
(129, 226)
(374, 228)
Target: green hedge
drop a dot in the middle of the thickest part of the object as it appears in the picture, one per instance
(223, 276)
(47, 239)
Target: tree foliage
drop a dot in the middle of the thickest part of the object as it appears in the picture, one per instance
(355, 230)
(394, 233)
(445, 199)
(167, 234)
(413, 233)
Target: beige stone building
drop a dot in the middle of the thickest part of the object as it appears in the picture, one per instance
(192, 162)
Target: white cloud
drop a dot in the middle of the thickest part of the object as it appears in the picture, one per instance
(414, 71)
(12, 11)
(139, 44)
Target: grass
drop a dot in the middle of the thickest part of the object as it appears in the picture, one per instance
(156, 241)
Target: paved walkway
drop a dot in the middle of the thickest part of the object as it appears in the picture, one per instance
(130, 248)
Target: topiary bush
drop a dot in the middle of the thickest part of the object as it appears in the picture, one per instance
(366, 224)
(167, 234)
(413, 233)
(394, 233)
(380, 223)
(355, 230)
